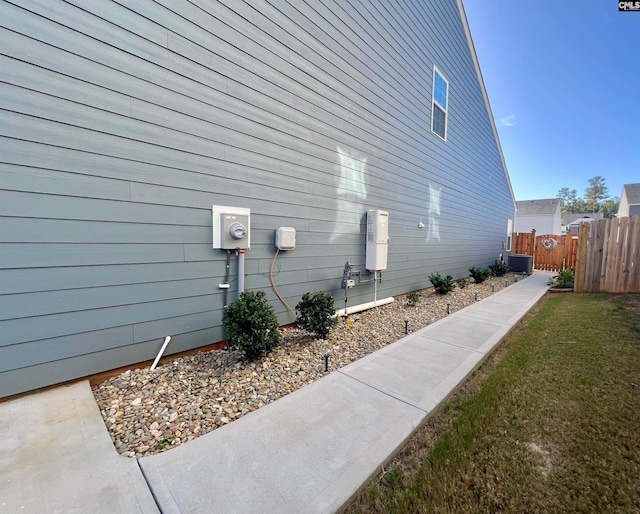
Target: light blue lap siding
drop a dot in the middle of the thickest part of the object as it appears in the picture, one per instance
(121, 125)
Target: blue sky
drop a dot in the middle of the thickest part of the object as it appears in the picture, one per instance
(563, 79)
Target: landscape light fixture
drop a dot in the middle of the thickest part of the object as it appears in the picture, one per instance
(326, 355)
(448, 307)
(406, 325)
(475, 293)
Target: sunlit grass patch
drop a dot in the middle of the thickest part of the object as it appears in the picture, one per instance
(550, 423)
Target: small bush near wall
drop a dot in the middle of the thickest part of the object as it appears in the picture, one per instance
(479, 275)
(413, 298)
(252, 325)
(499, 268)
(315, 313)
(442, 285)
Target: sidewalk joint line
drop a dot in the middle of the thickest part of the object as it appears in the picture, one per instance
(386, 393)
(478, 317)
(456, 345)
(146, 481)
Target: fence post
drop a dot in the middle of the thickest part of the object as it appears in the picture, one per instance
(581, 258)
(532, 242)
(632, 259)
(532, 245)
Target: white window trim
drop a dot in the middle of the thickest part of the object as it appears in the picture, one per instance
(433, 101)
(509, 235)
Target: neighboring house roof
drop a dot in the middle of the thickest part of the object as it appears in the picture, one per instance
(538, 207)
(633, 193)
(570, 218)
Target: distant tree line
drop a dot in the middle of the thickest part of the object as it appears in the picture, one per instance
(596, 199)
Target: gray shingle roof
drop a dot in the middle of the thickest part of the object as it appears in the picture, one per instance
(537, 207)
(633, 193)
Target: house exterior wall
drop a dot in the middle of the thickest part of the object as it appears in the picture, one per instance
(121, 124)
(626, 209)
(542, 224)
(629, 200)
(623, 206)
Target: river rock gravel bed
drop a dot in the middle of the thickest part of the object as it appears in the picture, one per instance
(147, 412)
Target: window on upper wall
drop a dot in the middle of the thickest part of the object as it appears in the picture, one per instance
(439, 115)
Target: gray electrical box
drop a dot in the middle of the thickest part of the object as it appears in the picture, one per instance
(231, 227)
(377, 240)
(286, 238)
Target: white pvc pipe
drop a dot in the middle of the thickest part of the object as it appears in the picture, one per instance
(164, 347)
(375, 286)
(363, 306)
(240, 272)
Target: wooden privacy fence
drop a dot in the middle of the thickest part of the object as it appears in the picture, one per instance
(550, 252)
(555, 253)
(609, 256)
(523, 243)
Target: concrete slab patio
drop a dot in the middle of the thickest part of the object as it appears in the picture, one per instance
(307, 452)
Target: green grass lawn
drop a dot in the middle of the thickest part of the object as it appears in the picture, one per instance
(550, 422)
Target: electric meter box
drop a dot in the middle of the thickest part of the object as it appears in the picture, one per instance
(286, 238)
(231, 227)
(377, 240)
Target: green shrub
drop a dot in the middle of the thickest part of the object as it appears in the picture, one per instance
(499, 268)
(442, 285)
(413, 298)
(462, 283)
(252, 325)
(564, 278)
(315, 313)
(479, 275)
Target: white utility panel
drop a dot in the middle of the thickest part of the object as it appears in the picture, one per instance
(231, 227)
(377, 239)
(286, 238)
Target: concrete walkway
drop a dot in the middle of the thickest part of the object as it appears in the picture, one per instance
(56, 456)
(307, 452)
